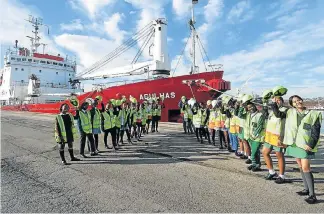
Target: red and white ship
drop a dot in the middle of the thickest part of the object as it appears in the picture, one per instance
(41, 82)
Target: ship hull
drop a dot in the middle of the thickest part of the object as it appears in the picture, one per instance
(171, 88)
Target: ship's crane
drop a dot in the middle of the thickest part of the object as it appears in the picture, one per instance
(160, 65)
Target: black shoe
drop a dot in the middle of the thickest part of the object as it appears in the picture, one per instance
(256, 169)
(65, 163)
(248, 161)
(238, 154)
(75, 159)
(303, 192)
(83, 155)
(221, 147)
(201, 141)
(270, 176)
(311, 199)
(209, 142)
(244, 157)
(280, 180)
(250, 167)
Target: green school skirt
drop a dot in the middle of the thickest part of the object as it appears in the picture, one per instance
(297, 152)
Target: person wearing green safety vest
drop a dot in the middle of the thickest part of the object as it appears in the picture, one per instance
(199, 120)
(124, 121)
(138, 116)
(132, 120)
(148, 109)
(156, 115)
(256, 133)
(85, 128)
(302, 137)
(244, 116)
(231, 114)
(273, 139)
(241, 120)
(144, 114)
(108, 125)
(96, 121)
(65, 132)
(187, 117)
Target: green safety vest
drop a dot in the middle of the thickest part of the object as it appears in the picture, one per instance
(96, 119)
(122, 114)
(86, 122)
(255, 117)
(62, 128)
(300, 135)
(199, 118)
(144, 116)
(158, 110)
(247, 126)
(109, 120)
(275, 128)
(138, 116)
(233, 123)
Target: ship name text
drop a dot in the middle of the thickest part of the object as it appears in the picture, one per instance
(168, 95)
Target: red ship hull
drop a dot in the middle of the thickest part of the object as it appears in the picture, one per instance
(172, 89)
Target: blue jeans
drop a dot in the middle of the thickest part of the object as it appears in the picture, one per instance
(234, 141)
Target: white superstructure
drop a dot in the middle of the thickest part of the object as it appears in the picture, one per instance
(32, 77)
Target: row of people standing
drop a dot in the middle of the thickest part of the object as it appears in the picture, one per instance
(116, 118)
(253, 127)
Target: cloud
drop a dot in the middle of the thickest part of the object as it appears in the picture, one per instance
(275, 56)
(285, 7)
(13, 26)
(89, 49)
(181, 8)
(272, 35)
(72, 26)
(318, 69)
(290, 20)
(241, 12)
(91, 7)
(213, 10)
(112, 29)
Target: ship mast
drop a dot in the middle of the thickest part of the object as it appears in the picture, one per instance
(192, 23)
(36, 22)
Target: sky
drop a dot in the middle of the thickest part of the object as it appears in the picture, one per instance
(260, 44)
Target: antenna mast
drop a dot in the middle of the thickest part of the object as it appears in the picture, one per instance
(36, 22)
(192, 23)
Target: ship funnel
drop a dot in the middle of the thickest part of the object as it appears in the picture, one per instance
(161, 65)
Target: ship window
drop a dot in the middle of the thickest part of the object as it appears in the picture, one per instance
(159, 28)
(48, 62)
(16, 69)
(60, 64)
(12, 58)
(56, 72)
(40, 71)
(42, 62)
(22, 81)
(23, 59)
(68, 66)
(64, 65)
(22, 69)
(69, 74)
(29, 60)
(36, 61)
(54, 63)
(18, 59)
